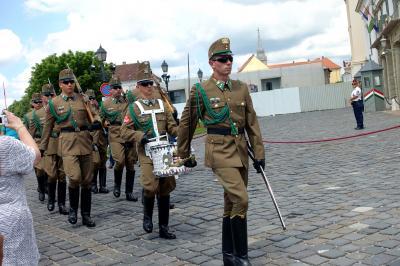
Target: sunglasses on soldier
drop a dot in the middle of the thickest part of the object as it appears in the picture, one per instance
(66, 82)
(91, 98)
(146, 83)
(37, 102)
(116, 87)
(224, 59)
(47, 94)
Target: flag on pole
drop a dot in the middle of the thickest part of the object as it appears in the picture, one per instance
(370, 20)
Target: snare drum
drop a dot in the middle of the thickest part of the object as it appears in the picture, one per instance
(164, 161)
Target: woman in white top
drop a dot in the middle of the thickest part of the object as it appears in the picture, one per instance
(358, 105)
(16, 226)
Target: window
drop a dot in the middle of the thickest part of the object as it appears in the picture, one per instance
(377, 81)
(367, 82)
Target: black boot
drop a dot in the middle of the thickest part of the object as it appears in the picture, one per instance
(52, 196)
(130, 179)
(143, 196)
(41, 186)
(117, 183)
(148, 206)
(86, 205)
(163, 217)
(227, 245)
(74, 204)
(94, 181)
(61, 192)
(103, 180)
(239, 236)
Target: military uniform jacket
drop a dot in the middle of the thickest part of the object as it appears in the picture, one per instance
(98, 134)
(222, 150)
(113, 110)
(69, 113)
(130, 131)
(34, 121)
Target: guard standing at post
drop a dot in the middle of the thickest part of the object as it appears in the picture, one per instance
(124, 153)
(34, 121)
(226, 109)
(70, 112)
(358, 104)
(100, 146)
(53, 162)
(138, 127)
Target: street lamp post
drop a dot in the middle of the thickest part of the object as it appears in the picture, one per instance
(101, 55)
(165, 76)
(200, 75)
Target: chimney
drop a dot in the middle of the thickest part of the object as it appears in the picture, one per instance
(124, 62)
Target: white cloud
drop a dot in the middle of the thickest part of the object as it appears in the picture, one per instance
(10, 46)
(155, 30)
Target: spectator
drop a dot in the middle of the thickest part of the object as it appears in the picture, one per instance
(16, 226)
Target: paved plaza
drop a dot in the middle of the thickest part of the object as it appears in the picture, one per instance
(340, 201)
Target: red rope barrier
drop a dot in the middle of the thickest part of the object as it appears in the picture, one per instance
(330, 139)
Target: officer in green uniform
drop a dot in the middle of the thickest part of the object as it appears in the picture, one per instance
(100, 147)
(124, 153)
(53, 162)
(226, 109)
(70, 111)
(34, 121)
(138, 127)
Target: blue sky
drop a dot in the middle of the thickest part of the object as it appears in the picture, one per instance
(30, 30)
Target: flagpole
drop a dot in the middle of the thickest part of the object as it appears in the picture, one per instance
(5, 99)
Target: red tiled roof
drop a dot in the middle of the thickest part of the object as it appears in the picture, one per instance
(128, 72)
(326, 63)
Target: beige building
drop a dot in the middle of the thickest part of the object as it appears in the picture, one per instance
(387, 43)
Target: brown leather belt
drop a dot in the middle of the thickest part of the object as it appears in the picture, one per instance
(222, 131)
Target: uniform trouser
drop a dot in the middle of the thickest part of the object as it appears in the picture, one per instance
(153, 185)
(234, 181)
(79, 170)
(103, 158)
(53, 166)
(123, 155)
(358, 109)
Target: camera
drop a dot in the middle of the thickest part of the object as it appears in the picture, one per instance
(3, 120)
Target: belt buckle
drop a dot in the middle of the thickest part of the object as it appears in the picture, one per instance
(77, 129)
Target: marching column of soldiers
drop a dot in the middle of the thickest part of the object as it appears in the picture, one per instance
(73, 132)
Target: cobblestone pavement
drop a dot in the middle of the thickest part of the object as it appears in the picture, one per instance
(340, 201)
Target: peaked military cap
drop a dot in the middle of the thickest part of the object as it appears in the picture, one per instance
(66, 74)
(47, 88)
(115, 82)
(90, 93)
(144, 72)
(36, 97)
(220, 47)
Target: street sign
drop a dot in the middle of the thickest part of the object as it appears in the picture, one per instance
(105, 89)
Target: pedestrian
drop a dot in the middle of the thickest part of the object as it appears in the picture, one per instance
(52, 161)
(226, 109)
(34, 121)
(138, 128)
(358, 104)
(123, 153)
(17, 158)
(100, 149)
(70, 112)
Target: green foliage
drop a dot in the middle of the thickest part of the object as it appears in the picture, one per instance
(50, 67)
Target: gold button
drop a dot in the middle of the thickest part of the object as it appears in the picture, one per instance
(231, 112)
(229, 99)
(242, 103)
(234, 124)
(216, 105)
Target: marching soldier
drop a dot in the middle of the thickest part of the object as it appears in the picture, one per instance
(124, 153)
(70, 112)
(138, 127)
(226, 109)
(34, 121)
(100, 146)
(53, 162)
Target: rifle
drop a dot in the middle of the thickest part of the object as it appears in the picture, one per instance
(80, 91)
(271, 193)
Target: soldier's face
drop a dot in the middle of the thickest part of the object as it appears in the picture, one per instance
(146, 88)
(37, 105)
(67, 86)
(116, 91)
(222, 65)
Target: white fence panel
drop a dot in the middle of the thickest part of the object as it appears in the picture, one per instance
(331, 96)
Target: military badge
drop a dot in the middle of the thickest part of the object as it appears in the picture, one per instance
(127, 119)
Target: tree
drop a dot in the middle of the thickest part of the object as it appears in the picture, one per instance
(50, 67)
